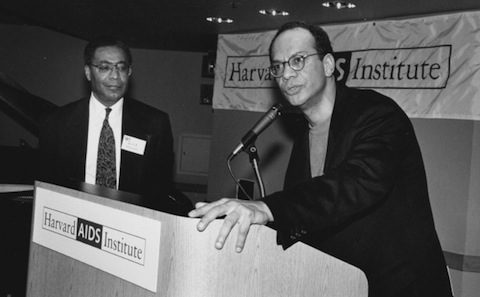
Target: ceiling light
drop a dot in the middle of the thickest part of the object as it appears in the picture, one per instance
(273, 12)
(220, 20)
(338, 4)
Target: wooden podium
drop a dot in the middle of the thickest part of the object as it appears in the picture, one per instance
(190, 266)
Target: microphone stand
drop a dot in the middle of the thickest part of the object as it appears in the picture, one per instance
(254, 159)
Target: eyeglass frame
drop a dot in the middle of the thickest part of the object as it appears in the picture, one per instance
(303, 58)
(111, 67)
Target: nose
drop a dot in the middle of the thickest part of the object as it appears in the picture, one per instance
(288, 72)
(114, 72)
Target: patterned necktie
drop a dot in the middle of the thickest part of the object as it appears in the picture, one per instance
(106, 172)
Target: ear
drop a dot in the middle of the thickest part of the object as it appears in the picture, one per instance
(329, 64)
(129, 70)
(87, 72)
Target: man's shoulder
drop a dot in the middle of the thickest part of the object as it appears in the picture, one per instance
(67, 110)
(360, 105)
(145, 117)
(139, 108)
(367, 99)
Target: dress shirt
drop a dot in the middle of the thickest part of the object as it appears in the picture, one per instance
(95, 122)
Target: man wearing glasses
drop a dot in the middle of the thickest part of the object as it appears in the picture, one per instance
(109, 139)
(355, 187)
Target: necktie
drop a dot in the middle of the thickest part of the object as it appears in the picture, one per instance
(106, 172)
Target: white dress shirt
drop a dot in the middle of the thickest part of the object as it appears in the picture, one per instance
(95, 122)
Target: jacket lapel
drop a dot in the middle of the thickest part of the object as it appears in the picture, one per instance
(299, 165)
(131, 164)
(337, 125)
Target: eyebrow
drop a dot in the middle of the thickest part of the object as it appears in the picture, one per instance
(299, 53)
(108, 62)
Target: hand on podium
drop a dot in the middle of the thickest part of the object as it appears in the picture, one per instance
(242, 212)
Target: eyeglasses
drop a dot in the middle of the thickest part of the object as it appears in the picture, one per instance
(296, 62)
(105, 68)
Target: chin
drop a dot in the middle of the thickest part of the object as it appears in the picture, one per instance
(114, 97)
(295, 101)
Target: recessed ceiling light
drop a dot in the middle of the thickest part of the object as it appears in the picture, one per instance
(338, 4)
(220, 20)
(273, 12)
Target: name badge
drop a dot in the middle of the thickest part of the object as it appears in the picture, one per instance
(133, 144)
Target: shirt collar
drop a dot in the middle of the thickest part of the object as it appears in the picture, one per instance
(99, 109)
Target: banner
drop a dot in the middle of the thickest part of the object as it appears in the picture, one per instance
(429, 66)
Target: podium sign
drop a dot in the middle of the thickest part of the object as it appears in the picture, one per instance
(62, 264)
(112, 240)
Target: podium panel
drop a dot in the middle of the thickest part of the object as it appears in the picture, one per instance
(190, 266)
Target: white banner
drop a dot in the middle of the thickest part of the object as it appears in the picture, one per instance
(429, 65)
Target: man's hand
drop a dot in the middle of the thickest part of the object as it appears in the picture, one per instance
(242, 212)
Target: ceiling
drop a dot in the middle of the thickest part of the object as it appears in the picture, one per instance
(181, 25)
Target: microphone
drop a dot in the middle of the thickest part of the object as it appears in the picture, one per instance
(265, 121)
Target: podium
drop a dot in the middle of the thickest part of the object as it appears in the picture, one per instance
(187, 263)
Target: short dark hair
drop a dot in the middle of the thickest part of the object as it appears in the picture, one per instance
(103, 41)
(322, 42)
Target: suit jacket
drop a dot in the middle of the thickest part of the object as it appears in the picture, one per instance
(371, 207)
(63, 146)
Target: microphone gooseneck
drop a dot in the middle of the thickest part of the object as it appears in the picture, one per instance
(265, 121)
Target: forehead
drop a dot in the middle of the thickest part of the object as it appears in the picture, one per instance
(291, 42)
(109, 54)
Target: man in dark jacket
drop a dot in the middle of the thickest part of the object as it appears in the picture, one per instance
(355, 187)
(110, 140)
